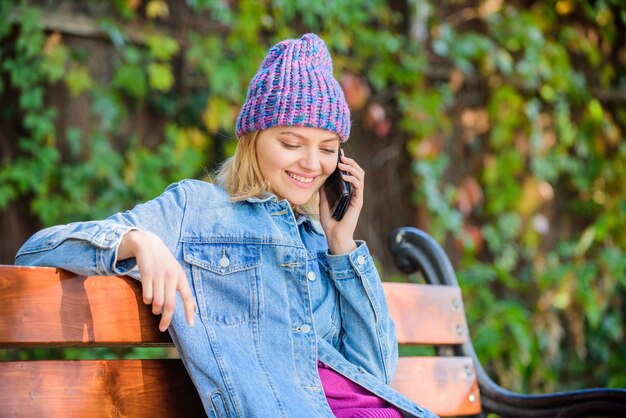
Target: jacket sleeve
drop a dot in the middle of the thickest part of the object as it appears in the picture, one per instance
(90, 248)
(367, 337)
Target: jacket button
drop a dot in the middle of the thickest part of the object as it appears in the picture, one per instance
(111, 236)
(224, 262)
(311, 276)
(305, 329)
(360, 260)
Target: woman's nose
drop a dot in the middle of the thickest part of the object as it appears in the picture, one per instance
(310, 161)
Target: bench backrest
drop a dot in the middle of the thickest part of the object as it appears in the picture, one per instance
(47, 307)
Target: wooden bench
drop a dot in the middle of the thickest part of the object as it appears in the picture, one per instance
(47, 307)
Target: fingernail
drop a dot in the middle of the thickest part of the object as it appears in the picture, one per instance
(192, 322)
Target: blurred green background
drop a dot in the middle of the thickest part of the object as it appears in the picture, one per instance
(497, 127)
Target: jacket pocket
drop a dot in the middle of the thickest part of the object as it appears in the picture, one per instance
(226, 279)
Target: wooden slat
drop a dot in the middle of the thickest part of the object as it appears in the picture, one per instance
(47, 306)
(55, 307)
(148, 388)
(427, 314)
(445, 385)
(97, 388)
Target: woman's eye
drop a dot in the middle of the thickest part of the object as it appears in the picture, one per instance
(329, 151)
(289, 146)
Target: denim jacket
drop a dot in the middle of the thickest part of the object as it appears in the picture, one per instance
(271, 300)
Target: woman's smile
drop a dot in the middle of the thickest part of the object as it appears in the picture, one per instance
(301, 179)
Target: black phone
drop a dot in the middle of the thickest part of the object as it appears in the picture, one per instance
(338, 192)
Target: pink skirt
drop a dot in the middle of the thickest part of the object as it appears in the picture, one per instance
(349, 400)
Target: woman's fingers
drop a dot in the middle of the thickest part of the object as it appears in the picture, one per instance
(352, 180)
(161, 277)
(340, 233)
(164, 297)
(356, 176)
(158, 292)
(189, 302)
(146, 285)
(353, 170)
(169, 301)
(349, 162)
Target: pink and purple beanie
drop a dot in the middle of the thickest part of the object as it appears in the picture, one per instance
(295, 87)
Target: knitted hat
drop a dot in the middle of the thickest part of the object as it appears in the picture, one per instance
(295, 87)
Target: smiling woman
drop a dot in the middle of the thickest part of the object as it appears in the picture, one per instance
(291, 316)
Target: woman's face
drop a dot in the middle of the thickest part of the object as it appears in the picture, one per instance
(296, 161)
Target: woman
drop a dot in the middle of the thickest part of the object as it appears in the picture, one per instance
(275, 310)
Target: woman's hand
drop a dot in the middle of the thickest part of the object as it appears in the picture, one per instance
(161, 275)
(340, 235)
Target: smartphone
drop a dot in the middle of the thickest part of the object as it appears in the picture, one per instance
(338, 192)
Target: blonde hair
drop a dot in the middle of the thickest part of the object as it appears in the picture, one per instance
(242, 178)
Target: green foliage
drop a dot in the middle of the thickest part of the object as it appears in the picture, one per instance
(527, 180)
(108, 167)
(541, 233)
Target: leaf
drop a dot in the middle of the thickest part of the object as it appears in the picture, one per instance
(74, 138)
(7, 193)
(32, 99)
(595, 110)
(162, 47)
(217, 114)
(132, 79)
(107, 108)
(585, 241)
(531, 198)
(131, 55)
(160, 76)
(55, 61)
(78, 79)
(157, 8)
